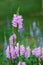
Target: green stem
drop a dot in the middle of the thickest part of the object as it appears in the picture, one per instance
(39, 61)
(18, 10)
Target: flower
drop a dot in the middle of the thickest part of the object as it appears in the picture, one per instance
(38, 32)
(5, 43)
(34, 25)
(17, 49)
(36, 52)
(14, 21)
(22, 63)
(27, 53)
(13, 53)
(22, 50)
(12, 38)
(7, 52)
(10, 52)
(39, 41)
(19, 63)
(17, 20)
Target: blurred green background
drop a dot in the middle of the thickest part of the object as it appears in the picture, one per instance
(9, 7)
(31, 10)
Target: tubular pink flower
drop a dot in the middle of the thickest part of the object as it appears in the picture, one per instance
(17, 50)
(7, 52)
(10, 52)
(12, 37)
(36, 52)
(17, 20)
(27, 53)
(23, 63)
(22, 50)
(13, 53)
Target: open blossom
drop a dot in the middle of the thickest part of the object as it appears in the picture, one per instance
(10, 52)
(27, 53)
(22, 63)
(13, 53)
(36, 52)
(12, 38)
(22, 50)
(7, 52)
(17, 20)
(17, 49)
(14, 21)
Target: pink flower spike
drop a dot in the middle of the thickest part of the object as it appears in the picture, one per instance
(13, 53)
(36, 52)
(27, 53)
(12, 37)
(17, 20)
(17, 50)
(7, 52)
(22, 50)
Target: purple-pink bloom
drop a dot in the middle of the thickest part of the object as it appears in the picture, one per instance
(10, 52)
(27, 52)
(17, 20)
(14, 21)
(7, 52)
(17, 49)
(19, 63)
(12, 37)
(22, 63)
(22, 50)
(13, 53)
(36, 52)
(20, 26)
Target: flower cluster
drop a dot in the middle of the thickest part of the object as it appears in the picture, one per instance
(17, 21)
(15, 51)
(38, 52)
(12, 39)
